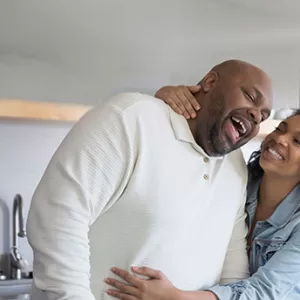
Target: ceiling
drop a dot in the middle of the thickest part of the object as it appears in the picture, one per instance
(61, 31)
(279, 8)
(134, 43)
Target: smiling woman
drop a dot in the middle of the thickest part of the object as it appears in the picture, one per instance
(281, 148)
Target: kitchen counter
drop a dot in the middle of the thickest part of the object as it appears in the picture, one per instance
(12, 287)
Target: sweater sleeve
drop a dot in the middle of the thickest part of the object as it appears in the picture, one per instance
(85, 177)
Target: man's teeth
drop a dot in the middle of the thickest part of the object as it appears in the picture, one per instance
(275, 153)
(242, 129)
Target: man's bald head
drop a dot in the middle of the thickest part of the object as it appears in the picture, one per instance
(235, 97)
(237, 69)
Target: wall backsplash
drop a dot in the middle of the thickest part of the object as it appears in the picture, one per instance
(26, 148)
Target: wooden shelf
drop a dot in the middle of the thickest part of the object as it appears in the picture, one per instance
(49, 111)
(46, 111)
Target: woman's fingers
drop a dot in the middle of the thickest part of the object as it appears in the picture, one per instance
(122, 287)
(186, 98)
(127, 276)
(119, 295)
(181, 99)
(170, 101)
(190, 95)
(194, 88)
(146, 271)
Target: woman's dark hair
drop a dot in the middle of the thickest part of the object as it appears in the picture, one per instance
(255, 171)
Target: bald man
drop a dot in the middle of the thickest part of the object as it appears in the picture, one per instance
(134, 183)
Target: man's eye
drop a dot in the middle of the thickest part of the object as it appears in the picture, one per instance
(250, 96)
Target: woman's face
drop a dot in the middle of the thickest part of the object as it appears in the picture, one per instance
(281, 150)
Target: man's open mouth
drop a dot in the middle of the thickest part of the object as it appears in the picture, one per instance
(238, 128)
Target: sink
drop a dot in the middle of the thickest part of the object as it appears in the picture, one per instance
(14, 287)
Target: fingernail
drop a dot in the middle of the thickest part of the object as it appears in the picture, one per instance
(197, 107)
(134, 268)
(108, 292)
(193, 115)
(106, 280)
(113, 269)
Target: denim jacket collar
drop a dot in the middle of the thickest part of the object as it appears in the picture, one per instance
(283, 213)
(252, 198)
(286, 209)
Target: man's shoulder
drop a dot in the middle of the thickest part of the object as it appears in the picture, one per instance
(126, 108)
(131, 103)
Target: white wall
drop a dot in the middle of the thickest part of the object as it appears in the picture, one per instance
(252, 146)
(26, 148)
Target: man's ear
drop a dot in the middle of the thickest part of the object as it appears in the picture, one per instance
(209, 81)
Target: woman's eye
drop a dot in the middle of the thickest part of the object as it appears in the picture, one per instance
(297, 141)
(277, 129)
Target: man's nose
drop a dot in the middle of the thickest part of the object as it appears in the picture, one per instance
(255, 115)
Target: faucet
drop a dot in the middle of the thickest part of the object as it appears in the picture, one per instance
(18, 264)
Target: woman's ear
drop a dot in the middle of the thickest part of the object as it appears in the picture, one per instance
(209, 81)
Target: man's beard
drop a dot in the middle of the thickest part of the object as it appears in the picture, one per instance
(217, 142)
(213, 142)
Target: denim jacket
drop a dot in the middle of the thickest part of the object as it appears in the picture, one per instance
(274, 255)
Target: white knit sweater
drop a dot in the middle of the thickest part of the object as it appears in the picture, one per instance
(130, 171)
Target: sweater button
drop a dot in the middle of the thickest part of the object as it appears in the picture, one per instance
(206, 159)
(205, 176)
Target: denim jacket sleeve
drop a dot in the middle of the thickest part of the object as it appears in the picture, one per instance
(278, 279)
